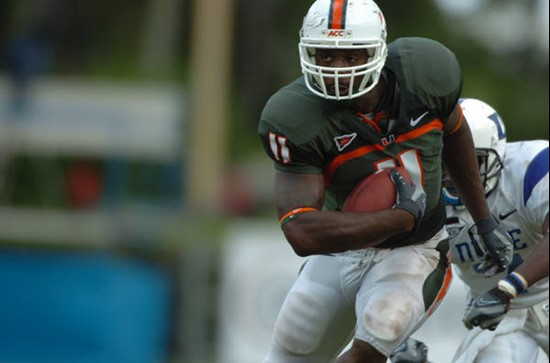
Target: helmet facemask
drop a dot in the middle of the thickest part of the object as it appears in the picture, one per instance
(490, 166)
(360, 79)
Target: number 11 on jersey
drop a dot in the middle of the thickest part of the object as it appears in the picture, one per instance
(278, 148)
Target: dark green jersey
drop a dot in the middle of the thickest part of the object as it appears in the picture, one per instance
(304, 133)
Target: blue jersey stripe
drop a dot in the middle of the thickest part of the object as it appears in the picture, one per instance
(535, 172)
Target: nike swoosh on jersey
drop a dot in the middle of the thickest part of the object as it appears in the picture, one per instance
(415, 121)
(503, 216)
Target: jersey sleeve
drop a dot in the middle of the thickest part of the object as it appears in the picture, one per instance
(535, 188)
(287, 155)
(287, 131)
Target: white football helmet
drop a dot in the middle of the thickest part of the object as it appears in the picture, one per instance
(343, 24)
(489, 134)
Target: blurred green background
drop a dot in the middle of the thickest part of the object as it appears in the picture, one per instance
(128, 128)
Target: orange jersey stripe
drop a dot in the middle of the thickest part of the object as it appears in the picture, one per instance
(343, 158)
(444, 289)
(434, 125)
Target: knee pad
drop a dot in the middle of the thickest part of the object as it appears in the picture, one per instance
(301, 324)
(387, 316)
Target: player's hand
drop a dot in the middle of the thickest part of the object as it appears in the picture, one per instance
(487, 310)
(410, 351)
(410, 196)
(497, 243)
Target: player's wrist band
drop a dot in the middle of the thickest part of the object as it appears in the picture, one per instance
(513, 284)
(293, 214)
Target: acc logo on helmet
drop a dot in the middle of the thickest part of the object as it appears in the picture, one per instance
(337, 33)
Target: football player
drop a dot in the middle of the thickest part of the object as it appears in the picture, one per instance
(507, 313)
(363, 105)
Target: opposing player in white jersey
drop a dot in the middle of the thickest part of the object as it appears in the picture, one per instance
(507, 313)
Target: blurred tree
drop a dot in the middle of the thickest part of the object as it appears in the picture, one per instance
(85, 34)
(266, 54)
(6, 16)
(158, 50)
(511, 73)
(100, 38)
(266, 58)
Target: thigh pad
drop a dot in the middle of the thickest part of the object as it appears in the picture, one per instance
(301, 324)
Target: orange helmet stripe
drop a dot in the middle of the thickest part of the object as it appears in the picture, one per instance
(337, 16)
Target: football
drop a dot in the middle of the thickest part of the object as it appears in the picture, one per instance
(375, 192)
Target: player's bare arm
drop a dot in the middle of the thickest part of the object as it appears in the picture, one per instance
(535, 267)
(319, 232)
(460, 162)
